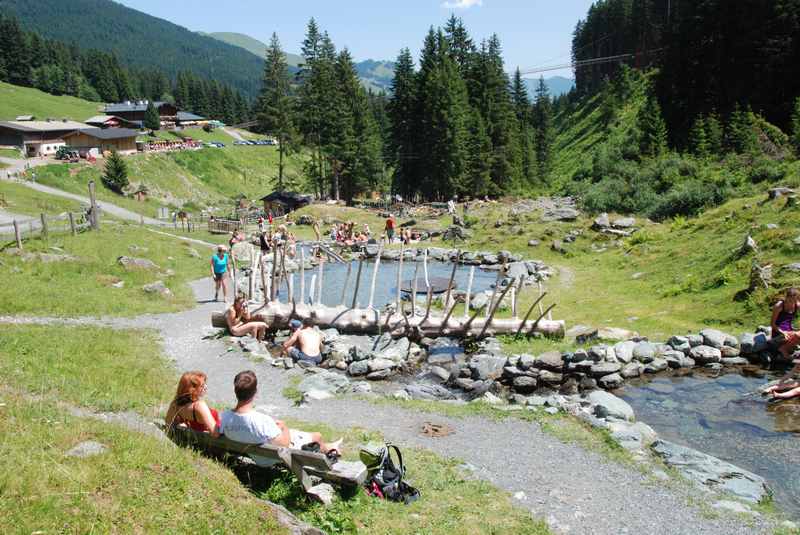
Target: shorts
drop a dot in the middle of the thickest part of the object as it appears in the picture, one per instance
(299, 356)
(298, 439)
(219, 276)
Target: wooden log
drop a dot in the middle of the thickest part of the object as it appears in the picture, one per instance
(93, 202)
(319, 282)
(264, 290)
(311, 288)
(400, 276)
(291, 287)
(346, 283)
(374, 277)
(535, 323)
(429, 302)
(495, 307)
(272, 284)
(469, 291)
(43, 219)
(17, 235)
(72, 228)
(358, 282)
(425, 268)
(414, 290)
(364, 321)
(302, 275)
(452, 278)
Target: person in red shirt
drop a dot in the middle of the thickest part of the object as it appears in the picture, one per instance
(389, 228)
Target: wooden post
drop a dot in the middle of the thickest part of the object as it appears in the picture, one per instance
(346, 282)
(272, 284)
(358, 282)
(312, 285)
(17, 235)
(414, 290)
(536, 323)
(425, 268)
(400, 275)
(469, 291)
(528, 314)
(71, 217)
(95, 219)
(291, 287)
(43, 218)
(319, 283)
(494, 308)
(514, 302)
(375, 276)
(264, 292)
(452, 278)
(302, 274)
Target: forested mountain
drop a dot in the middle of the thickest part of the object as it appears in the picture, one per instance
(712, 55)
(556, 85)
(252, 45)
(139, 40)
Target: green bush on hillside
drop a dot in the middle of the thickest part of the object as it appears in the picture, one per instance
(688, 198)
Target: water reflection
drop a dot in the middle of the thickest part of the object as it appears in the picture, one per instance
(716, 413)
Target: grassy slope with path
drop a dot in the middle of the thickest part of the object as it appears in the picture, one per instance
(132, 375)
(84, 287)
(22, 200)
(16, 101)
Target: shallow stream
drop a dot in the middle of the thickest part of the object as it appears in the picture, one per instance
(715, 414)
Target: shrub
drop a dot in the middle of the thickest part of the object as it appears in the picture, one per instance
(688, 199)
(765, 170)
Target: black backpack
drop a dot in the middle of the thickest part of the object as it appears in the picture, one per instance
(385, 476)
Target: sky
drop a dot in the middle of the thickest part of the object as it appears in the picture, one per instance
(533, 33)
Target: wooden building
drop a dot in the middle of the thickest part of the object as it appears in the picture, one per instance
(134, 112)
(190, 119)
(282, 202)
(122, 140)
(37, 138)
(110, 121)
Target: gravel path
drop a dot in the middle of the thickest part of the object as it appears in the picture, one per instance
(575, 490)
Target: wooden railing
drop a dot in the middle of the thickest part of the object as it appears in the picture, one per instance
(223, 226)
(45, 226)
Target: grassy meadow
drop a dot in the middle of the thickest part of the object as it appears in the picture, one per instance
(19, 199)
(16, 101)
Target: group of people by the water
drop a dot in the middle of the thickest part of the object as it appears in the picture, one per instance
(242, 423)
(347, 234)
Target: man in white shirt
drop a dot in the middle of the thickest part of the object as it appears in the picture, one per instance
(244, 424)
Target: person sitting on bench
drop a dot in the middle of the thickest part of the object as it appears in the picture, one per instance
(240, 323)
(305, 344)
(244, 424)
(783, 313)
(188, 406)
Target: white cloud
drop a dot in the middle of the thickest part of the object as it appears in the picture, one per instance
(461, 4)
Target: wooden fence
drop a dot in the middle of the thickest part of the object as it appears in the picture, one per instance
(223, 226)
(44, 226)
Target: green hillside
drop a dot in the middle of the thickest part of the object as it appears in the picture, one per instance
(139, 40)
(252, 45)
(16, 100)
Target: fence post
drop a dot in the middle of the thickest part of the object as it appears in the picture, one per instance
(17, 235)
(44, 225)
(71, 223)
(95, 219)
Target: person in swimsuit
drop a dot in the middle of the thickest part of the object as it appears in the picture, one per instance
(240, 323)
(189, 408)
(219, 271)
(305, 344)
(783, 314)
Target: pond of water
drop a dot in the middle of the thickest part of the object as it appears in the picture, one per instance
(386, 283)
(713, 413)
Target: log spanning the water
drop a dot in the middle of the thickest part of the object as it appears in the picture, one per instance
(366, 321)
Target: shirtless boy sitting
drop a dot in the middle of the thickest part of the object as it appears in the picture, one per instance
(305, 344)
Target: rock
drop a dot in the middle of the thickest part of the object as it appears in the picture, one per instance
(624, 222)
(380, 364)
(644, 352)
(129, 262)
(486, 366)
(714, 338)
(455, 232)
(558, 247)
(428, 391)
(516, 270)
(581, 334)
(680, 343)
(323, 493)
(533, 243)
(675, 359)
(713, 473)
(611, 381)
(631, 370)
(157, 287)
(623, 351)
(729, 352)
(751, 343)
(325, 381)
(608, 405)
(401, 395)
(705, 354)
(602, 369)
(379, 375)
(656, 365)
(86, 449)
(549, 377)
(615, 334)
(732, 507)
(316, 395)
(587, 383)
(464, 383)
(524, 384)
(601, 222)
(560, 214)
(358, 368)
(48, 258)
(694, 340)
(749, 246)
(632, 436)
(490, 398)
(734, 361)
(526, 361)
(551, 360)
(440, 373)
(479, 301)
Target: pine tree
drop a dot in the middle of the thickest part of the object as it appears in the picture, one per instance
(460, 45)
(152, 120)
(183, 92)
(115, 174)
(698, 138)
(404, 127)
(15, 52)
(796, 126)
(715, 134)
(522, 110)
(274, 106)
(543, 131)
(653, 140)
(741, 135)
(479, 148)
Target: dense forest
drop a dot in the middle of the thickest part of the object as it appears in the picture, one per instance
(139, 40)
(27, 59)
(712, 55)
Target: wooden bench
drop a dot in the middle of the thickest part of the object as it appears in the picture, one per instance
(308, 467)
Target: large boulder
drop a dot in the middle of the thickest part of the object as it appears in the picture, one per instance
(713, 473)
(130, 262)
(751, 343)
(644, 352)
(623, 222)
(358, 368)
(486, 366)
(615, 334)
(429, 392)
(705, 354)
(680, 343)
(516, 270)
(325, 381)
(631, 370)
(380, 364)
(560, 214)
(455, 232)
(717, 339)
(601, 369)
(607, 405)
(445, 351)
(551, 360)
(601, 222)
(158, 288)
(524, 384)
(611, 381)
(581, 334)
(623, 351)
